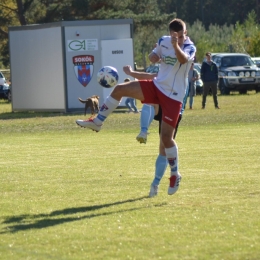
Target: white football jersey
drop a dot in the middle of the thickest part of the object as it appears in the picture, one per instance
(171, 78)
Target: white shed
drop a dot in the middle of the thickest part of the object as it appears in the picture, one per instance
(54, 64)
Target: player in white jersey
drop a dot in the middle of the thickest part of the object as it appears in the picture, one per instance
(176, 53)
(172, 74)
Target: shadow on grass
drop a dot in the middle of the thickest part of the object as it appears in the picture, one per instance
(34, 114)
(39, 221)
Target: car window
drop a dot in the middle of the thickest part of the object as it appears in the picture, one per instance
(1, 75)
(227, 62)
(243, 61)
(217, 60)
(231, 61)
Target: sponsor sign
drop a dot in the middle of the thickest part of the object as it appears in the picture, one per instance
(82, 45)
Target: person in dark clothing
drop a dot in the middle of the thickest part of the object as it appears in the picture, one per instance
(209, 76)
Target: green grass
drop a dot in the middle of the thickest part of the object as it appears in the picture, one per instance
(70, 193)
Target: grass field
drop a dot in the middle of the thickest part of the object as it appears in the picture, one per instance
(70, 193)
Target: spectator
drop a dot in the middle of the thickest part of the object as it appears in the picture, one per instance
(209, 76)
(130, 102)
(193, 75)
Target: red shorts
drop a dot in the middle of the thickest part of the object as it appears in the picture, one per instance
(170, 107)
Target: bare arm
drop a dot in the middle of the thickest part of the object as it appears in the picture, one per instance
(138, 74)
(196, 76)
(153, 57)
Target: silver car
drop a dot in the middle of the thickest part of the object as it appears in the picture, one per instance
(256, 60)
(237, 72)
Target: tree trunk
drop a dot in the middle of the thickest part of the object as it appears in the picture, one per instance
(144, 59)
(20, 12)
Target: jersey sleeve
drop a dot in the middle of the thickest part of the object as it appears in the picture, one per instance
(190, 51)
(157, 49)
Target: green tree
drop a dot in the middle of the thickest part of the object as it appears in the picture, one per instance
(148, 20)
(210, 23)
(215, 39)
(7, 16)
(146, 15)
(18, 12)
(253, 48)
(211, 11)
(245, 35)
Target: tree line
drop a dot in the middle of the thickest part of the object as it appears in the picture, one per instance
(216, 26)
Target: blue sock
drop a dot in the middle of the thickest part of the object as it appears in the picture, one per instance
(147, 115)
(160, 167)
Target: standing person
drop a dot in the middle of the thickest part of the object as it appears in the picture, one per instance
(152, 112)
(192, 77)
(209, 76)
(148, 111)
(147, 115)
(130, 102)
(176, 53)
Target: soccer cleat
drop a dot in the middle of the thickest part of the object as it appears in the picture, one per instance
(153, 191)
(174, 183)
(142, 138)
(89, 123)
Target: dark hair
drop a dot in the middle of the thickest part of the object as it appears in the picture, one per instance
(208, 53)
(127, 80)
(177, 25)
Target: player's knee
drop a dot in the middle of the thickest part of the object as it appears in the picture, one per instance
(118, 91)
(166, 140)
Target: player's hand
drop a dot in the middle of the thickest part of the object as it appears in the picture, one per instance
(127, 69)
(174, 38)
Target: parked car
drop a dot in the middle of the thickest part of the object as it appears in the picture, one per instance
(256, 60)
(5, 91)
(237, 72)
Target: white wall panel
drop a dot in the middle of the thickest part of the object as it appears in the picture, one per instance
(37, 69)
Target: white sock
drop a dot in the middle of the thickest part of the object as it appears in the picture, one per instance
(106, 109)
(172, 157)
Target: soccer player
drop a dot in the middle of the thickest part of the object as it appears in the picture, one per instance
(176, 53)
(148, 113)
(161, 162)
